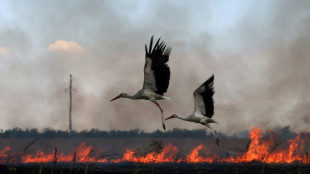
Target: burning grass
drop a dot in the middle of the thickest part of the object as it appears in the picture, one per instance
(258, 150)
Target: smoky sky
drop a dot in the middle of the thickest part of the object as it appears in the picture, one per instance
(258, 52)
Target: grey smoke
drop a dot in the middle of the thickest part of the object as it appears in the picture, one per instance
(260, 61)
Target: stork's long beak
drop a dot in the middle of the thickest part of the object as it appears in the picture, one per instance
(117, 97)
(169, 117)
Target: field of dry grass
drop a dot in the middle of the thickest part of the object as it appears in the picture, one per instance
(94, 168)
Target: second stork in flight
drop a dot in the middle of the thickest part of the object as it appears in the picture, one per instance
(204, 109)
(156, 76)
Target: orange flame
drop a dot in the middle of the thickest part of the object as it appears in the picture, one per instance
(194, 157)
(258, 150)
(80, 154)
(4, 154)
(168, 154)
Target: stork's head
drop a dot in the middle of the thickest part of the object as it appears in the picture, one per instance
(172, 116)
(122, 95)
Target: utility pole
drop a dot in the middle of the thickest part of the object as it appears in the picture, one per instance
(70, 104)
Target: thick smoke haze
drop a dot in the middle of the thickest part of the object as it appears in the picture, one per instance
(257, 50)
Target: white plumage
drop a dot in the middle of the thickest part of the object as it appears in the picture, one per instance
(156, 75)
(204, 108)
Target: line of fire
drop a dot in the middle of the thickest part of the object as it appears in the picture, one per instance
(258, 149)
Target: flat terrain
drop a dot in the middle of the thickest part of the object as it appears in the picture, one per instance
(82, 168)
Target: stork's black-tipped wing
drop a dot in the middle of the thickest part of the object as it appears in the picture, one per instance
(203, 97)
(156, 70)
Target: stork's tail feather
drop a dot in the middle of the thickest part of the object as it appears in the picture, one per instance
(167, 98)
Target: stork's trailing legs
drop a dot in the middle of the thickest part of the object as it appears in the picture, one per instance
(162, 114)
(217, 140)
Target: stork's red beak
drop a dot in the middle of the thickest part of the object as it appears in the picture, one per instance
(117, 97)
(169, 117)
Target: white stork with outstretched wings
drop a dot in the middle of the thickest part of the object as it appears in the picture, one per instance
(204, 107)
(156, 75)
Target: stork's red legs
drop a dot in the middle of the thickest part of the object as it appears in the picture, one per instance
(217, 140)
(158, 105)
(162, 114)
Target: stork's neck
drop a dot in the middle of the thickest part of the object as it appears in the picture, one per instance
(131, 96)
(181, 117)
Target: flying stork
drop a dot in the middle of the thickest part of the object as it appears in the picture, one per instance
(156, 76)
(204, 108)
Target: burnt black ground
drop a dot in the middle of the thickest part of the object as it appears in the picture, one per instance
(92, 168)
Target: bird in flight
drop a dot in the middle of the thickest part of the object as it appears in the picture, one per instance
(156, 76)
(204, 108)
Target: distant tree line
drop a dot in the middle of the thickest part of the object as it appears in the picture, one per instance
(96, 133)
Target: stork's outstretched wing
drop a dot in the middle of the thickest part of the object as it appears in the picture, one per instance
(156, 70)
(203, 97)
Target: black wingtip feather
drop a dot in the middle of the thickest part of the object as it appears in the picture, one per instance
(151, 44)
(159, 56)
(146, 50)
(208, 96)
(156, 45)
